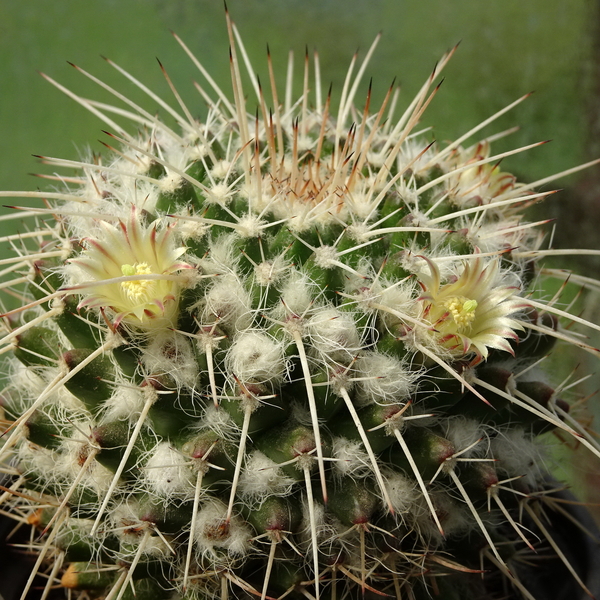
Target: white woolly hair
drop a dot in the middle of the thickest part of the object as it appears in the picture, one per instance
(299, 412)
(21, 396)
(191, 230)
(74, 530)
(413, 153)
(351, 458)
(363, 271)
(228, 303)
(402, 492)
(116, 198)
(125, 521)
(73, 453)
(297, 295)
(171, 181)
(454, 516)
(270, 271)
(220, 169)
(26, 383)
(324, 524)
(262, 478)
(125, 403)
(413, 261)
(212, 532)
(399, 297)
(222, 258)
(130, 530)
(518, 454)
(166, 474)
(334, 335)
(463, 432)
(218, 420)
(255, 357)
(381, 379)
(33, 459)
(30, 383)
(172, 354)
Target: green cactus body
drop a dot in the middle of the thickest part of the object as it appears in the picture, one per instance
(283, 355)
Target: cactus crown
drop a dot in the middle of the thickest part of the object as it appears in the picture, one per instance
(283, 353)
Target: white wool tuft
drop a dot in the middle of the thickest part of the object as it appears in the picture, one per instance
(463, 432)
(270, 271)
(262, 478)
(453, 515)
(73, 453)
(171, 353)
(212, 532)
(333, 334)
(518, 455)
(218, 420)
(402, 492)
(227, 303)
(222, 259)
(350, 458)
(255, 357)
(381, 379)
(296, 294)
(165, 473)
(125, 403)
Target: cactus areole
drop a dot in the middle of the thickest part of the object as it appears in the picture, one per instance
(283, 350)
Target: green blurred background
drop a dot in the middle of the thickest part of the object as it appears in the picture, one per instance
(508, 48)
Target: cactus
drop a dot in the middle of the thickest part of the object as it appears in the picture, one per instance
(281, 351)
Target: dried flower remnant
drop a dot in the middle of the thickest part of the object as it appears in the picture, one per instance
(481, 183)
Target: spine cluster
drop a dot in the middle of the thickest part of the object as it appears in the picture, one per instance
(283, 350)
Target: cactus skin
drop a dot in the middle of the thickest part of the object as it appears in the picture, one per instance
(283, 354)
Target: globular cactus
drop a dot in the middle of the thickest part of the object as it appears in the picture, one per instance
(283, 352)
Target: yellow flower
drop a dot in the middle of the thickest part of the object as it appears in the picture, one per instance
(472, 313)
(133, 272)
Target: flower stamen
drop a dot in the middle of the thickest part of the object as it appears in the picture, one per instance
(462, 310)
(138, 291)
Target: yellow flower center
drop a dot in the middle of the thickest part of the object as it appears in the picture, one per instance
(462, 311)
(141, 290)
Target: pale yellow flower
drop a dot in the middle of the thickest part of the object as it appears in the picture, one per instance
(133, 270)
(474, 312)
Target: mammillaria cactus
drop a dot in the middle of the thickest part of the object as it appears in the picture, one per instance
(281, 351)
